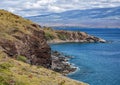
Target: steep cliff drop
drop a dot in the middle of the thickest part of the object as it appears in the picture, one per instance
(21, 37)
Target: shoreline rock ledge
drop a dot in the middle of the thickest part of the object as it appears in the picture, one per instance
(60, 63)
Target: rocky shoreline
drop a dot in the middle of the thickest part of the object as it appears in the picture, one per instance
(60, 63)
(76, 41)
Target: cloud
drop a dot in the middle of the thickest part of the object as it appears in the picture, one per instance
(38, 7)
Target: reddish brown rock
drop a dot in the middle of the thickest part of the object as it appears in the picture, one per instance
(33, 46)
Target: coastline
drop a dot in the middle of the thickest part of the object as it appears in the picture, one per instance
(100, 40)
(60, 61)
(61, 64)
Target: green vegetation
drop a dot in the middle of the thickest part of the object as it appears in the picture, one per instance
(21, 58)
(62, 83)
(51, 34)
(5, 65)
(62, 36)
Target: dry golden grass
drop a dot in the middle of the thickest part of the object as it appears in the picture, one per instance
(11, 21)
(13, 72)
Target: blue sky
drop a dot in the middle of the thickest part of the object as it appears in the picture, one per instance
(39, 7)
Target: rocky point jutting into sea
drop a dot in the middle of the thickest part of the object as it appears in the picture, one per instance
(23, 40)
(60, 36)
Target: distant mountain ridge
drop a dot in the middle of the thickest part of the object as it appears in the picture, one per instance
(99, 17)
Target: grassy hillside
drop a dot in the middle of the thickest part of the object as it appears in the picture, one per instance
(57, 35)
(21, 39)
(13, 72)
(9, 23)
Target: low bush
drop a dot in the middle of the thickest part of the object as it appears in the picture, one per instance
(21, 58)
(49, 36)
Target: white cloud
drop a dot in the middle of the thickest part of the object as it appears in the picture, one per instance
(55, 8)
(36, 7)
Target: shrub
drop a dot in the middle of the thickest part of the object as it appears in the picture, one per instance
(62, 83)
(21, 58)
(3, 81)
(62, 36)
(5, 65)
(49, 36)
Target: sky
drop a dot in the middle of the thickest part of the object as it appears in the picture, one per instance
(40, 7)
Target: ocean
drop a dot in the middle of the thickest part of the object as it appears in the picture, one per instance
(98, 63)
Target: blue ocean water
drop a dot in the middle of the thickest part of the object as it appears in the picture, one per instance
(99, 63)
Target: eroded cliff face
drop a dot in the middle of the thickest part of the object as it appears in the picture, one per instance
(23, 38)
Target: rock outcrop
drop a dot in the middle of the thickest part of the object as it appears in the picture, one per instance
(60, 63)
(70, 36)
(21, 37)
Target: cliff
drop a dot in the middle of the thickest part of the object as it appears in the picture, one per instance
(59, 36)
(21, 37)
(23, 40)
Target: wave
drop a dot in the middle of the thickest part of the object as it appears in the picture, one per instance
(77, 70)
